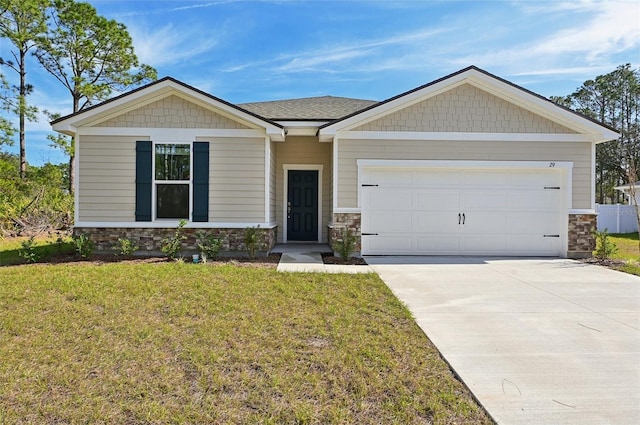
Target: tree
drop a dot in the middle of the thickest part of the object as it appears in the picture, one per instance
(6, 128)
(22, 22)
(613, 99)
(91, 56)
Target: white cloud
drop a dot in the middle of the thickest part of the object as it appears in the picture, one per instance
(170, 45)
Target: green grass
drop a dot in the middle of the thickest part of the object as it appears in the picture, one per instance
(45, 247)
(182, 343)
(627, 244)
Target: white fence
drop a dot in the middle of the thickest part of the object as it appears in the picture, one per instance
(617, 218)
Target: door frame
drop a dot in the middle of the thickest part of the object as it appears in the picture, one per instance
(285, 195)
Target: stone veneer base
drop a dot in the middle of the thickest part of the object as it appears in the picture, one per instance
(342, 221)
(581, 240)
(150, 239)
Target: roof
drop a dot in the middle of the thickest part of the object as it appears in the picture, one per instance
(321, 108)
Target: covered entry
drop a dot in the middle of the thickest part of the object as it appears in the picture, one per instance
(464, 207)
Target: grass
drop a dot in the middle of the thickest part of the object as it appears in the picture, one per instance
(45, 247)
(627, 244)
(182, 343)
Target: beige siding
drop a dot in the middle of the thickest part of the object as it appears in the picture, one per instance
(468, 109)
(107, 175)
(172, 112)
(351, 150)
(236, 179)
(304, 150)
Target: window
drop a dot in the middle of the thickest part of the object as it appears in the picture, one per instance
(172, 181)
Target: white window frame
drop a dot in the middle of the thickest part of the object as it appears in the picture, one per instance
(154, 190)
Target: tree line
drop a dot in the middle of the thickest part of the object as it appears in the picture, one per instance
(612, 99)
(89, 55)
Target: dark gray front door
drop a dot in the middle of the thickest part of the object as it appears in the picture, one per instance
(302, 205)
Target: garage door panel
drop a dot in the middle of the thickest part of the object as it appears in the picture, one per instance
(535, 200)
(437, 200)
(383, 244)
(484, 244)
(390, 221)
(484, 200)
(436, 222)
(506, 212)
(384, 199)
(437, 244)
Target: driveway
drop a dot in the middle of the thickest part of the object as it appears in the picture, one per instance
(538, 341)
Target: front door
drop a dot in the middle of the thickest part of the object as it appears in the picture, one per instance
(302, 205)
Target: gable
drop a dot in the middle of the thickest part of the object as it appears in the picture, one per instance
(172, 112)
(464, 108)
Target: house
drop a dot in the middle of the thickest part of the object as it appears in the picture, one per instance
(469, 164)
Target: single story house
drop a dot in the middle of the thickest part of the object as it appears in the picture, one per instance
(469, 164)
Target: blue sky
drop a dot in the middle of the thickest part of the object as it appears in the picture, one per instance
(245, 51)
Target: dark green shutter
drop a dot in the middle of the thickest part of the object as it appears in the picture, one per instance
(200, 181)
(144, 180)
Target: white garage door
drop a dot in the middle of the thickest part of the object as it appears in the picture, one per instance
(432, 211)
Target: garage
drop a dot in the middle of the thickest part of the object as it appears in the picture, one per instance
(483, 208)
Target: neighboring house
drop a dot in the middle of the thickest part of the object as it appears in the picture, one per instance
(469, 164)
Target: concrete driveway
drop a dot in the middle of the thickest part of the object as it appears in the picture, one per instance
(538, 341)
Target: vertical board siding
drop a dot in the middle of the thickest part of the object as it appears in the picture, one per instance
(107, 174)
(304, 150)
(272, 180)
(349, 151)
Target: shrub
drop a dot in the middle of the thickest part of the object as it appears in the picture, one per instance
(209, 245)
(604, 247)
(172, 246)
(84, 245)
(346, 245)
(252, 240)
(125, 246)
(28, 251)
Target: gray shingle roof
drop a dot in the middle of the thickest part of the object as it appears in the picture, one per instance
(308, 108)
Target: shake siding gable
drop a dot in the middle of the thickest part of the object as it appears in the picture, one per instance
(465, 108)
(172, 112)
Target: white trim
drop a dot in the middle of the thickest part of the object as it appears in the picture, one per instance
(267, 180)
(346, 210)
(161, 224)
(419, 163)
(162, 134)
(334, 180)
(465, 136)
(154, 182)
(490, 84)
(582, 211)
(301, 167)
(158, 91)
(76, 183)
(593, 177)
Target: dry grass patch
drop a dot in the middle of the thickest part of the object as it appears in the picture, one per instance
(178, 343)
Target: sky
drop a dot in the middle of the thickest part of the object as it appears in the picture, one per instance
(248, 51)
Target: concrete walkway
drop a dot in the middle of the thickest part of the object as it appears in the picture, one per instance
(307, 258)
(538, 341)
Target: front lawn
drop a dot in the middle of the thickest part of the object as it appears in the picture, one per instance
(627, 244)
(181, 343)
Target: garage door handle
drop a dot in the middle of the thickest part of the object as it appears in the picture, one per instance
(459, 217)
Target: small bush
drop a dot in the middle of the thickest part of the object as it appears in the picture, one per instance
(252, 240)
(209, 245)
(605, 248)
(28, 251)
(172, 246)
(346, 245)
(84, 245)
(125, 246)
